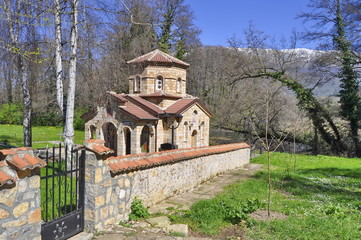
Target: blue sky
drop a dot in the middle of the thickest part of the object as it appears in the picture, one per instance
(221, 19)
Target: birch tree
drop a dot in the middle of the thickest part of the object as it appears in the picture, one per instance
(58, 57)
(69, 118)
(14, 28)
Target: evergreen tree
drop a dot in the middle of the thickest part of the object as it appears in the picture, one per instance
(349, 99)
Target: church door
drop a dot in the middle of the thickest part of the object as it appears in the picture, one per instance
(110, 136)
(194, 139)
(127, 140)
(144, 139)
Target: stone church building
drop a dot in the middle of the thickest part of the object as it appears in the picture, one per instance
(156, 115)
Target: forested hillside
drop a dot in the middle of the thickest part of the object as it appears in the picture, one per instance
(313, 96)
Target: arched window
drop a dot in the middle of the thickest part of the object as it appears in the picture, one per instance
(201, 129)
(93, 132)
(110, 134)
(109, 109)
(195, 118)
(144, 139)
(159, 83)
(127, 140)
(185, 132)
(137, 84)
(179, 85)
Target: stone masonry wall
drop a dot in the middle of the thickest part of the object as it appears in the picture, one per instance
(109, 196)
(20, 213)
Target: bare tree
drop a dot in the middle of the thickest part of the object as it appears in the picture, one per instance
(69, 120)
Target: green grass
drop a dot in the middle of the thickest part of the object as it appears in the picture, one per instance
(321, 198)
(60, 196)
(42, 135)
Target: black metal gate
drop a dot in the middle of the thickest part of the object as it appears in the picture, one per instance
(62, 194)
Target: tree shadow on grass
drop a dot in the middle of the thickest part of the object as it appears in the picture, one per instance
(339, 184)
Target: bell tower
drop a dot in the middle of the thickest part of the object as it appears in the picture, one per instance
(158, 72)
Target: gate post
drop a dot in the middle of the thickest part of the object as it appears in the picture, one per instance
(98, 210)
(20, 212)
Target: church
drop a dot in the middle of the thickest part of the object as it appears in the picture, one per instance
(156, 115)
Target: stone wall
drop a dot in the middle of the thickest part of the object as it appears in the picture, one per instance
(111, 185)
(20, 212)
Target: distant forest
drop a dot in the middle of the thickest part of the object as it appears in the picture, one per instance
(59, 56)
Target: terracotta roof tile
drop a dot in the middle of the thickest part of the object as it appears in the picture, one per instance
(137, 112)
(159, 94)
(158, 56)
(148, 106)
(26, 162)
(121, 164)
(181, 105)
(101, 149)
(5, 178)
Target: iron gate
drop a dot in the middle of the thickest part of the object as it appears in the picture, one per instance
(62, 194)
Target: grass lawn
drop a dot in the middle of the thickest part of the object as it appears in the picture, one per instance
(59, 193)
(321, 198)
(42, 135)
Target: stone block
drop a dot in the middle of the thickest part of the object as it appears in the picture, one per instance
(89, 214)
(178, 228)
(20, 209)
(4, 214)
(126, 182)
(34, 182)
(98, 175)
(99, 201)
(23, 185)
(7, 196)
(162, 222)
(121, 194)
(108, 195)
(35, 216)
(104, 213)
(16, 223)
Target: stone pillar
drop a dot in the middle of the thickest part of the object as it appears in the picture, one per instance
(107, 197)
(20, 212)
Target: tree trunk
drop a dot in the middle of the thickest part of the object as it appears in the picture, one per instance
(23, 69)
(58, 58)
(69, 121)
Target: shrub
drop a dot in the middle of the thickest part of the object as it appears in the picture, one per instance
(11, 113)
(138, 210)
(79, 123)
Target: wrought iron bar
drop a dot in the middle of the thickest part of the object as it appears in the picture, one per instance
(46, 186)
(53, 181)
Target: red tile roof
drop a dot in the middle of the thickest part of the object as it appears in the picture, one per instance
(97, 146)
(120, 164)
(20, 159)
(5, 177)
(158, 56)
(181, 105)
(148, 106)
(160, 94)
(137, 112)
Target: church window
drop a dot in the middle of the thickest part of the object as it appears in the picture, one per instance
(201, 129)
(137, 84)
(185, 132)
(195, 118)
(159, 83)
(144, 139)
(93, 132)
(179, 85)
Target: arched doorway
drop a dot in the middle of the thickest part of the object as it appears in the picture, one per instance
(144, 139)
(127, 141)
(194, 139)
(110, 136)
